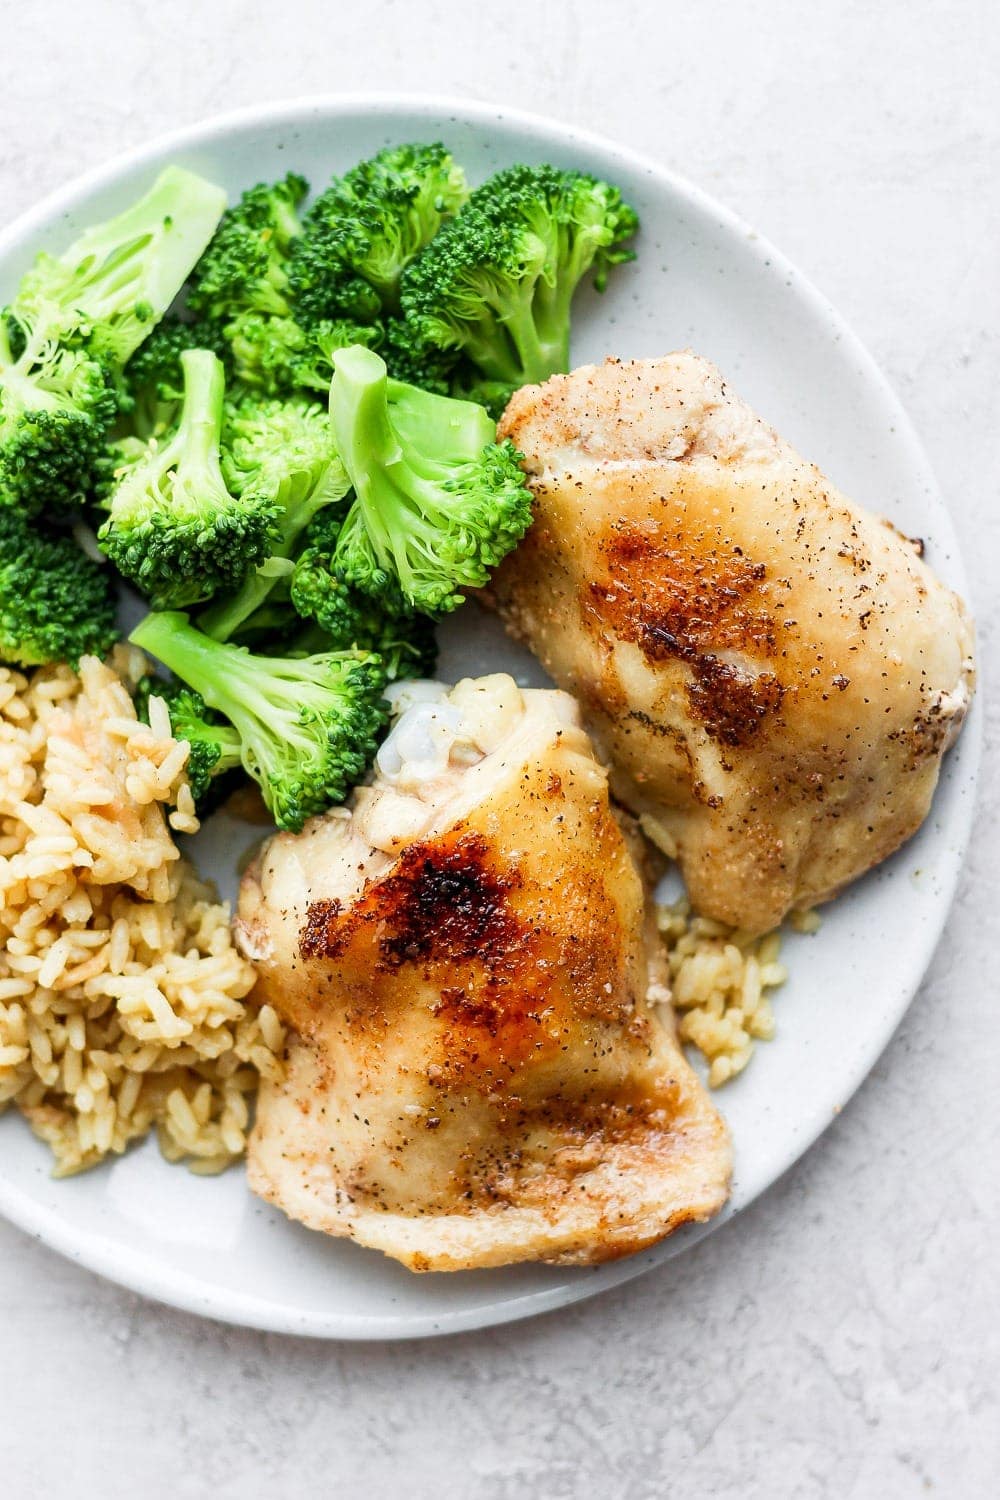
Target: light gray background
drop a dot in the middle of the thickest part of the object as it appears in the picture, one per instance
(843, 1337)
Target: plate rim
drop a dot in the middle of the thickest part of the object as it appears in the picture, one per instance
(139, 1271)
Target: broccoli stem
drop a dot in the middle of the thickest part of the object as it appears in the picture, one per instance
(365, 437)
(169, 635)
(535, 332)
(418, 415)
(226, 676)
(366, 441)
(29, 394)
(224, 618)
(146, 251)
(370, 450)
(200, 429)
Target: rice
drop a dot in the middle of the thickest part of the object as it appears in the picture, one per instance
(123, 1002)
(719, 979)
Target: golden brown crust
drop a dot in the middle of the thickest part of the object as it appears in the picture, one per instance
(772, 672)
(480, 1079)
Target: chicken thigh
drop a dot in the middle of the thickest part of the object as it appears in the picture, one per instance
(478, 1077)
(773, 673)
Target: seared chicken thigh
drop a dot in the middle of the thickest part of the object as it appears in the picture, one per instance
(773, 673)
(478, 1077)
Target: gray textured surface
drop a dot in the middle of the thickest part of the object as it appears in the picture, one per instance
(842, 1338)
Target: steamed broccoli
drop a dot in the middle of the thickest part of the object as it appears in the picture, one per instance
(114, 283)
(75, 321)
(287, 448)
(242, 284)
(437, 501)
(367, 226)
(214, 745)
(56, 405)
(282, 449)
(308, 726)
(244, 269)
(56, 603)
(496, 282)
(319, 592)
(173, 527)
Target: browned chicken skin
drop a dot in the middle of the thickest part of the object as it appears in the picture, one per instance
(773, 673)
(479, 1078)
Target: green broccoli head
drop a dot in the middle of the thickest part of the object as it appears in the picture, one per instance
(283, 452)
(214, 745)
(242, 283)
(279, 356)
(367, 226)
(56, 603)
(244, 268)
(348, 617)
(308, 726)
(114, 283)
(75, 321)
(173, 527)
(412, 360)
(285, 447)
(496, 282)
(438, 502)
(56, 405)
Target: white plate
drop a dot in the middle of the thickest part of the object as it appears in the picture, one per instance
(704, 279)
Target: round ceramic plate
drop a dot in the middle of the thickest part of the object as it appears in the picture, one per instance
(702, 279)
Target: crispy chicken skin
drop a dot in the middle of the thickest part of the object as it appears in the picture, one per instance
(478, 1078)
(773, 673)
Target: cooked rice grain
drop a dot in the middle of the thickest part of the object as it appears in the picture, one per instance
(122, 998)
(719, 980)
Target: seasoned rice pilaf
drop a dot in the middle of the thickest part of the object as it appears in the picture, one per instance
(122, 997)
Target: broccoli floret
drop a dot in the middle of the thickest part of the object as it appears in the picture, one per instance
(244, 268)
(155, 378)
(116, 281)
(367, 226)
(308, 726)
(214, 745)
(437, 501)
(56, 603)
(280, 355)
(173, 527)
(284, 450)
(347, 617)
(288, 444)
(241, 282)
(75, 321)
(496, 282)
(56, 405)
